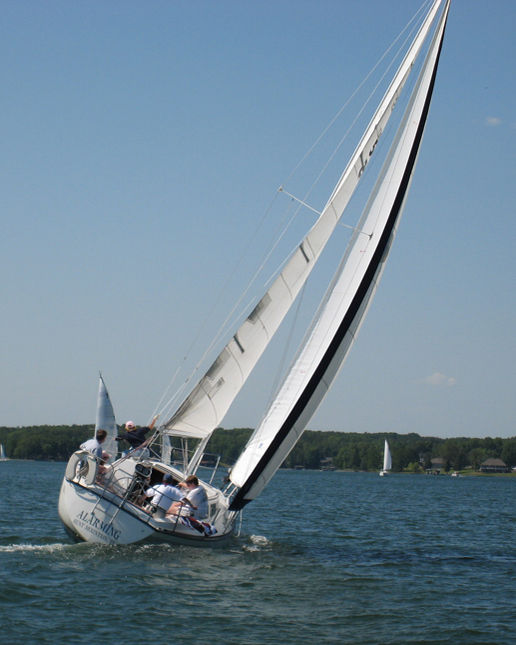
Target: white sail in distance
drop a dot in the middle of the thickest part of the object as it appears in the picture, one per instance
(387, 461)
(205, 407)
(338, 324)
(105, 419)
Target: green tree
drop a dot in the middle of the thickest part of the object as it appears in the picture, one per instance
(508, 453)
(475, 457)
(453, 451)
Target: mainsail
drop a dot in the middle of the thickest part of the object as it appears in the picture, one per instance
(204, 408)
(105, 419)
(347, 302)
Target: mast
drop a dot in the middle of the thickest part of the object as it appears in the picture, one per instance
(204, 408)
(356, 281)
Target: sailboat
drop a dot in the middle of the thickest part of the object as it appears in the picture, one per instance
(107, 507)
(2, 453)
(387, 461)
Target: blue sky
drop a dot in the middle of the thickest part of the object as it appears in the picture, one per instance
(142, 141)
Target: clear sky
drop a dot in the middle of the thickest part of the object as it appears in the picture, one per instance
(141, 143)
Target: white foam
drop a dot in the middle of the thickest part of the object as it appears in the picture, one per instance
(258, 542)
(49, 548)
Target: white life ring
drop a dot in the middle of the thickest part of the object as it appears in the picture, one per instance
(83, 465)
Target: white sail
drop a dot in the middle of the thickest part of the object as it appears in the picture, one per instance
(337, 326)
(204, 408)
(105, 419)
(387, 461)
(2, 453)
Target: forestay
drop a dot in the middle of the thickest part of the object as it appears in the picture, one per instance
(203, 410)
(357, 279)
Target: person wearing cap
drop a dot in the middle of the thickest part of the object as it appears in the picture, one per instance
(163, 495)
(135, 436)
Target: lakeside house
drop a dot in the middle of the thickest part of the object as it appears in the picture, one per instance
(327, 464)
(494, 466)
(437, 465)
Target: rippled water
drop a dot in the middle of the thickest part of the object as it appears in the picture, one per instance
(326, 557)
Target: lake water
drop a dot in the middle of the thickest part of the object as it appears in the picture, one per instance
(324, 557)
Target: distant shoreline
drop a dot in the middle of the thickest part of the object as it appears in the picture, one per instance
(316, 450)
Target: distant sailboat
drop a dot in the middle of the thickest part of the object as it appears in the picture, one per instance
(108, 508)
(2, 453)
(387, 461)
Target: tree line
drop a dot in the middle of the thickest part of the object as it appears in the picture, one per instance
(347, 450)
(364, 451)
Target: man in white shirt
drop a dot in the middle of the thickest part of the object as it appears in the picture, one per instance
(95, 445)
(194, 503)
(162, 495)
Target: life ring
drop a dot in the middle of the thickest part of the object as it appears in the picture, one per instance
(82, 465)
(90, 476)
(74, 464)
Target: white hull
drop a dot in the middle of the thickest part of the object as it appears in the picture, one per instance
(382, 473)
(93, 512)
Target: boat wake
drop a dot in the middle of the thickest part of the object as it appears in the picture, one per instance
(27, 548)
(257, 543)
